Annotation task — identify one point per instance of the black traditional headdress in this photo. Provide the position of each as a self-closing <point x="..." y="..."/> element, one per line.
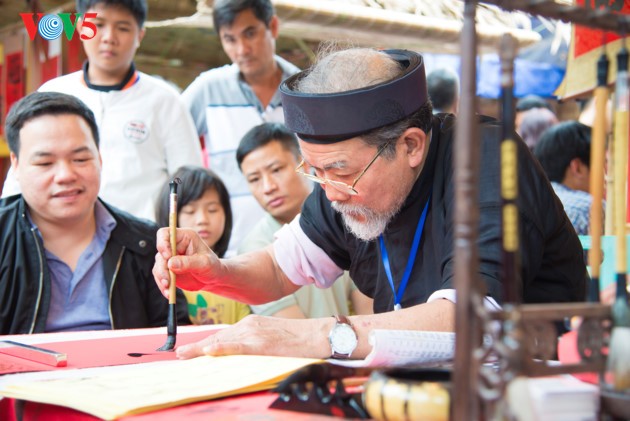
<point x="333" y="117"/>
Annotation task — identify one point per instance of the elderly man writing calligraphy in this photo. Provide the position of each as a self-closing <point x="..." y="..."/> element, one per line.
<point x="382" y="209"/>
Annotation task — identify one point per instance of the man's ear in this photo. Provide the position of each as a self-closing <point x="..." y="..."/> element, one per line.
<point x="577" y="175"/>
<point x="576" y="167"/>
<point x="14" y="163"/>
<point x="273" y="26"/>
<point x="141" y="34"/>
<point x="416" y="144"/>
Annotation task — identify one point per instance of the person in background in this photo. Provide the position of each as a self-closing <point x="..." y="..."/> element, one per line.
<point x="203" y="204"/>
<point x="145" y="129"/>
<point x="69" y="260"/>
<point x="268" y="155"/>
<point x="526" y="103"/>
<point x="564" y="151"/>
<point x="383" y="208"/>
<point x="534" y="122"/>
<point x="227" y="101"/>
<point x="443" y="86"/>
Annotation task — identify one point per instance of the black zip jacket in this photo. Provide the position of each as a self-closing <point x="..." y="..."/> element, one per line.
<point x="134" y="299"/>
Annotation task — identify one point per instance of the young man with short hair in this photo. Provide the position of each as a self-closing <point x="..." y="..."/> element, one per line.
<point x="564" y="151"/>
<point x="268" y="155"/>
<point x="228" y="101"/>
<point x="69" y="260"/>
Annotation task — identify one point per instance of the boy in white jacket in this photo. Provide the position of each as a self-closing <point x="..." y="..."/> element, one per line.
<point x="146" y="131"/>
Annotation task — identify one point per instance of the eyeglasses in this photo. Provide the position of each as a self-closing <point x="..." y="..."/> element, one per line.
<point x="339" y="185"/>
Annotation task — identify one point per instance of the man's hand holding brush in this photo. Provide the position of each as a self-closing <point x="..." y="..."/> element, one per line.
<point x="194" y="264"/>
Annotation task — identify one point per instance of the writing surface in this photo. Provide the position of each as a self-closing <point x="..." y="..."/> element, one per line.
<point x="146" y="387"/>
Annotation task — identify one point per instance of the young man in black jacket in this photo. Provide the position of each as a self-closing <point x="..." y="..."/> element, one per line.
<point x="68" y="261"/>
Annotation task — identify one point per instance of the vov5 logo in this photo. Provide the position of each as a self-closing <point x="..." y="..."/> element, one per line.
<point x="51" y="26"/>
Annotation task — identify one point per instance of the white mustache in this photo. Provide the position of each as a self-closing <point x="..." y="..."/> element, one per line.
<point x="373" y="226"/>
<point x="346" y="209"/>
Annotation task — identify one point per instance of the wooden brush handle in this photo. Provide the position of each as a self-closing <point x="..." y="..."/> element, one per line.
<point x="172" y="226"/>
<point x="598" y="150"/>
<point x="509" y="176"/>
<point x="620" y="162"/>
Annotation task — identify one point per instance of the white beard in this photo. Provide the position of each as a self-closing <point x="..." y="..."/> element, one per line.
<point x="374" y="224"/>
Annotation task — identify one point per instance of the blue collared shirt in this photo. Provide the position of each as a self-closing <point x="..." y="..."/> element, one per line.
<point x="80" y="299"/>
<point x="577" y="205"/>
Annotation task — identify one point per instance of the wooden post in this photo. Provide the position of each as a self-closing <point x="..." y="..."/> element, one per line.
<point x="466" y="161"/>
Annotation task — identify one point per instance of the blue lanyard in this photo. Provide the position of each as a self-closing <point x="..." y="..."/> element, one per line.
<point x="410" y="261"/>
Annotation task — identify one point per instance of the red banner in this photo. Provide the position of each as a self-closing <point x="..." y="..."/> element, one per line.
<point x="14" y="87"/>
<point x="586" y="47"/>
<point x="587" y="39"/>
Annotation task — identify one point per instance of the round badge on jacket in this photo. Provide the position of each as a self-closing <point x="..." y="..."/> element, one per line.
<point x="136" y="131"/>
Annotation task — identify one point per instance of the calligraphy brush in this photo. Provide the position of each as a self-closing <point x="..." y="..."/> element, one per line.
<point x="171" y="322"/>
<point x="618" y="359"/>
<point x="509" y="177"/>
<point x="598" y="150"/>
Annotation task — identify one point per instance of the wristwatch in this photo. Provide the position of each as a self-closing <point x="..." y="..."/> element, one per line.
<point x="343" y="339"/>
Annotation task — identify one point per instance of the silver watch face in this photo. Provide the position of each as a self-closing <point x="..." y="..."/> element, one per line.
<point x="343" y="340"/>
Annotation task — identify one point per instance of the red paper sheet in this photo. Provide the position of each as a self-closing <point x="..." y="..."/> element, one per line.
<point x="103" y="352"/>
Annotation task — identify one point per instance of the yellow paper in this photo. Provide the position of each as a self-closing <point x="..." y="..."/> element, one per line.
<point x="110" y="395"/>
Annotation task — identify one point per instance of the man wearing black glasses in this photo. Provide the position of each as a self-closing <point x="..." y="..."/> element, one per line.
<point x="382" y="209"/>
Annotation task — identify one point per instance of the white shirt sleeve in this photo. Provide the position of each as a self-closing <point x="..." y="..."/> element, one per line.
<point x="301" y="260"/>
<point x="449" y="294"/>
